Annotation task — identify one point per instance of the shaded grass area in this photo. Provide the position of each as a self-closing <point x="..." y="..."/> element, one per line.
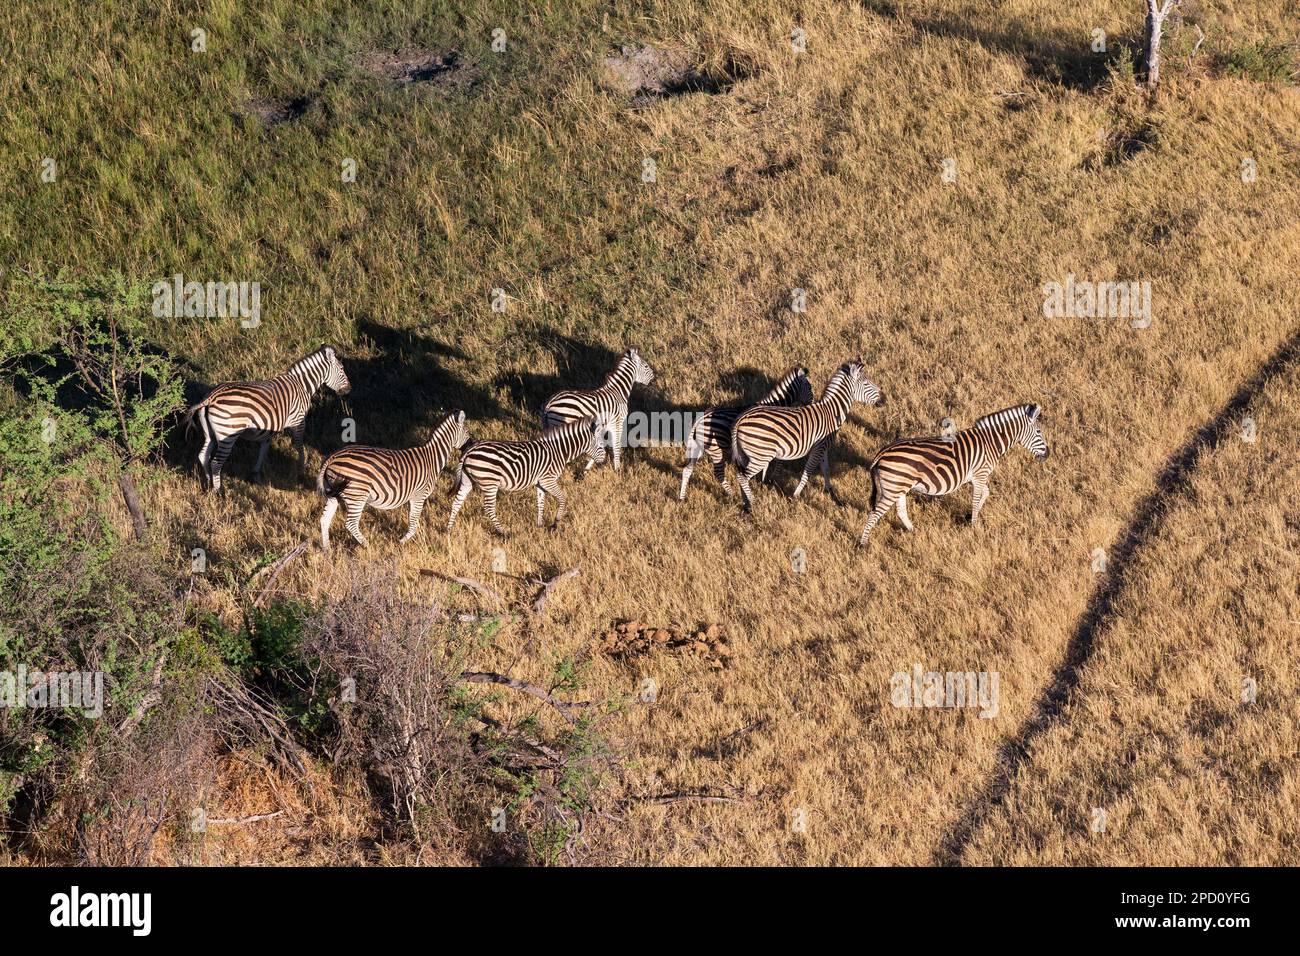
<point x="820" y="171"/>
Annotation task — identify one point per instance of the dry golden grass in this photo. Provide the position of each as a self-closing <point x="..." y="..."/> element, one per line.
<point x="822" y="171"/>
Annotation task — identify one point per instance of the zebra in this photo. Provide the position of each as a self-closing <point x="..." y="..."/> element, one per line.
<point x="386" y="478"/>
<point x="711" y="433"/>
<point x="769" y="432"/>
<point x="939" y="466"/>
<point x="257" y="411"/>
<point x="609" y="402"/>
<point x="493" y="466"/>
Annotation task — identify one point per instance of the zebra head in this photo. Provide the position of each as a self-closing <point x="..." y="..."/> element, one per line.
<point x="1031" y="433"/>
<point x="800" y="390"/>
<point x="861" y="388"/>
<point x="599" y="427"/>
<point x="335" y="377"/>
<point x="460" y="434"/>
<point x="642" y="373"/>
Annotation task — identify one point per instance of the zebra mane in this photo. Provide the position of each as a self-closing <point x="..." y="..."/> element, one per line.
<point x="448" y="424"/>
<point x="306" y="360"/>
<point x="783" y="389"/>
<point x="838" y="379"/>
<point x="1013" y="413"/>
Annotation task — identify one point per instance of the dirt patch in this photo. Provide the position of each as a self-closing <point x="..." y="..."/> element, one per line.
<point x="629" y="639"/>
<point x="271" y="111"/>
<point x="445" y="69"/>
<point x="647" y="73"/>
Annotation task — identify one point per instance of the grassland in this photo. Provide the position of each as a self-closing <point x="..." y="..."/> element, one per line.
<point x="821" y="170"/>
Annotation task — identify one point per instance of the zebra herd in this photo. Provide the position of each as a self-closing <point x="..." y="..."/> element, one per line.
<point x="787" y="423"/>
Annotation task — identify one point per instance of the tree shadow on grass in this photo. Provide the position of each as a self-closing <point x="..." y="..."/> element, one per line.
<point x="1174" y="481"/>
<point x="1064" y="57"/>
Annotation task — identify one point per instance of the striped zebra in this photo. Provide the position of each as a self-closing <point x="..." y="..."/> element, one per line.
<point x="939" y="466"/>
<point x="386" y="478"/>
<point x="608" y="403"/>
<point x="494" y="466"/>
<point x="711" y="433"/>
<point x="258" y="411"/>
<point x="766" y="433"/>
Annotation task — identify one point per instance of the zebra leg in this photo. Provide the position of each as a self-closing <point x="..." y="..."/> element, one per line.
<point x="720" y="473"/>
<point x="461" y="495"/>
<point x="883" y="504"/>
<point x="219" y="461"/>
<point x="616" y="446"/>
<point x="826" y="472"/>
<point x="552" y="488"/>
<point x="354" y="508"/>
<point x="979" y="494"/>
<point x="686" y="475"/>
<point x="746" y="493"/>
<point x="811" y="465"/>
<point x="326" y="519"/>
<point x="413" y="524"/>
<point x="297" y="432"/>
<point x="541" y="504"/>
<point x="902" y="512"/>
<point x="490" y="506"/>
<point x="261" y="459"/>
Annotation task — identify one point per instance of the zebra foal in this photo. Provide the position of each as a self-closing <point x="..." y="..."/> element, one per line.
<point x="767" y="433"/>
<point x="258" y="411"/>
<point x="607" y="403"/>
<point x="939" y="466"/>
<point x="495" y="466"/>
<point x="711" y="433"/>
<point x="386" y="478"/>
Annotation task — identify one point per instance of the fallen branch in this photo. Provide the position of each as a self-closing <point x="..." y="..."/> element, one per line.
<point x="683" y="797"/>
<point x="477" y="586"/>
<point x="547" y="587"/>
<point x="248" y="819"/>
<point x="491" y="677"/>
<point x="147" y="703"/>
<point x="275" y="570"/>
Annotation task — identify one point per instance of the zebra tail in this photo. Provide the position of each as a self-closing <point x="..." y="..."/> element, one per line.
<point x="328" y="489"/>
<point x="188" y="418"/>
<point x="738" y="456"/>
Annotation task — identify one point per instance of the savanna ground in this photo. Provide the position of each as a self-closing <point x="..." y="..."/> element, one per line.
<point x="1121" y="689"/>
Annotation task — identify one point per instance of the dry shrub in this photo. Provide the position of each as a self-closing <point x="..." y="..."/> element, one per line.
<point x="400" y="711"/>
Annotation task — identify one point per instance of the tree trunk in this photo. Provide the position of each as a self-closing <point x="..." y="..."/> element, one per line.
<point x="132" y="499"/>
<point x="1155" y="29"/>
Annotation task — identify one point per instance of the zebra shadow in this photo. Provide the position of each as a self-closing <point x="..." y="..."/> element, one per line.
<point x="580" y="365"/>
<point x="406" y="386"/>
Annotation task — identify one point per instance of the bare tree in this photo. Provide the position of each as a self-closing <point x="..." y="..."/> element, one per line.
<point x="1157" y="10"/>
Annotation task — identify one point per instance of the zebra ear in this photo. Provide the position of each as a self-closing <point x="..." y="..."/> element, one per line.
<point x="460" y="416"/>
<point x="1034" y="412"/>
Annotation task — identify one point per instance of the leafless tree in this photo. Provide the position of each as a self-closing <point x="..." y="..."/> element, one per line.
<point x="1157" y="11"/>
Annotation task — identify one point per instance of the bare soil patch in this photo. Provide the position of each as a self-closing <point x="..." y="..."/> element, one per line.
<point x="445" y="69"/>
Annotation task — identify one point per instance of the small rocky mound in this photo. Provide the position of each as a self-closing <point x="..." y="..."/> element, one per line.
<point x="648" y="72"/>
<point x="629" y="639"/>
<point x="404" y="67"/>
